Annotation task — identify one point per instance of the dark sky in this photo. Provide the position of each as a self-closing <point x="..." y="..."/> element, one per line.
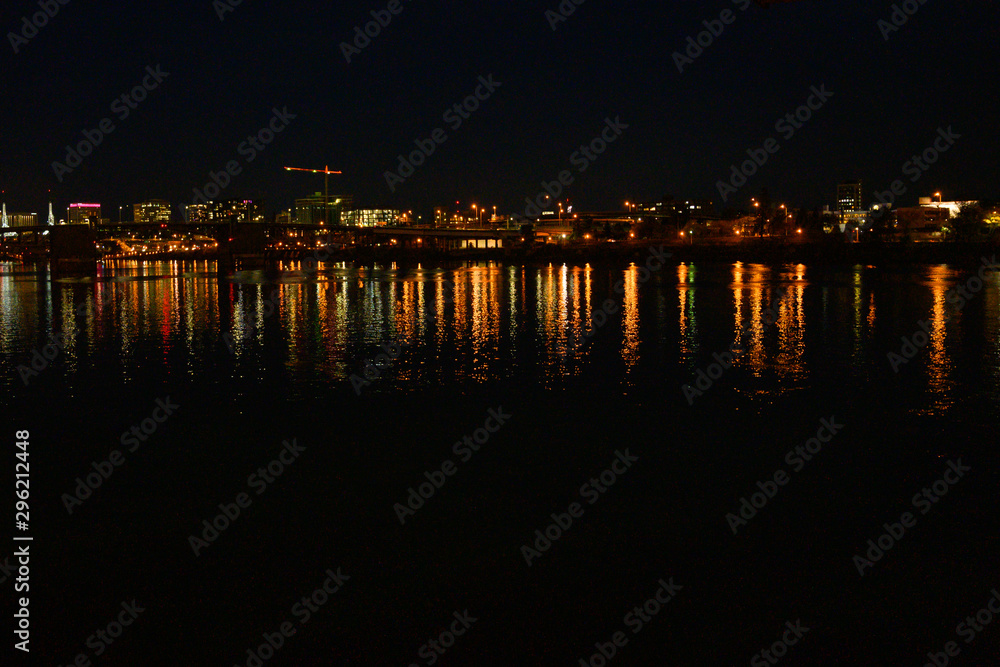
<point x="606" y="60"/>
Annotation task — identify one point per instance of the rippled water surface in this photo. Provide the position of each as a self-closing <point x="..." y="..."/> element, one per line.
<point x="588" y="359"/>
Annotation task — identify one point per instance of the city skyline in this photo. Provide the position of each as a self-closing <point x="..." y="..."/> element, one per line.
<point x="180" y="115"/>
<point x="395" y="332"/>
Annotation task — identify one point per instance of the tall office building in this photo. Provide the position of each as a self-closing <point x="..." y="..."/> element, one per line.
<point x="230" y="211"/>
<point x="152" y="211"/>
<point x="197" y="214"/>
<point x="849" y="196"/>
<point x="235" y="210"/>
<point x="83" y="214"/>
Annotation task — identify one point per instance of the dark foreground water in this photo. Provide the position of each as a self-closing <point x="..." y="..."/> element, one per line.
<point x="248" y="363"/>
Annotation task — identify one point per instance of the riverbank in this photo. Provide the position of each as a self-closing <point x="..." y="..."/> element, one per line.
<point x="748" y="251"/>
<point x="763" y="251"/>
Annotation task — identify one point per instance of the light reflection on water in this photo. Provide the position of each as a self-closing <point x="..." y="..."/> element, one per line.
<point x="506" y="322"/>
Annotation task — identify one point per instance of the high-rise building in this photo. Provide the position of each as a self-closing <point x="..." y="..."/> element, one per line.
<point x="235" y="210"/>
<point x="84" y="214"/>
<point x="197" y="214"/>
<point x="217" y="212"/>
<point x="152" y="211"/>
<point x="314" y="210"/>
<point x="849" y="196"/>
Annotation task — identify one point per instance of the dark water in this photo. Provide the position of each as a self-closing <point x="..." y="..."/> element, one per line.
<point x="477" y="337"/>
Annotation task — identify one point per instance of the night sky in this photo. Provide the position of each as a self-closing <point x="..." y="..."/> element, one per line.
<point x="558" y="86"/>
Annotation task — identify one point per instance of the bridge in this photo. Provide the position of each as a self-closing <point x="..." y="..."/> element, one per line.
<point x="74" y="247"/>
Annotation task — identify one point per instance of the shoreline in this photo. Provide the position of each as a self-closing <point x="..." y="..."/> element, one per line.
<point x="763" y="251"/>
<point x="747" y="251"/>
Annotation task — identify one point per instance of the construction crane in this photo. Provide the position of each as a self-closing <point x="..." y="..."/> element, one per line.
<point x="326" y="192"/>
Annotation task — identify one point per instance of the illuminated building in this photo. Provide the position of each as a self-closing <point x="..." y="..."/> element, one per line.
<point x="22" y="219"/>
<point x="84" y="213"/>
<point x="371" y="217"/>
<point x="668" y="206"/>
<point x="197" y="214"/>
<point x="952" y="207"/>
<point x="232" y="210"/>
<point x="235" y="210"/>
<point x="314" y="210"/>
<point x="849" y="196"/>
<point x="152" y="211"/>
